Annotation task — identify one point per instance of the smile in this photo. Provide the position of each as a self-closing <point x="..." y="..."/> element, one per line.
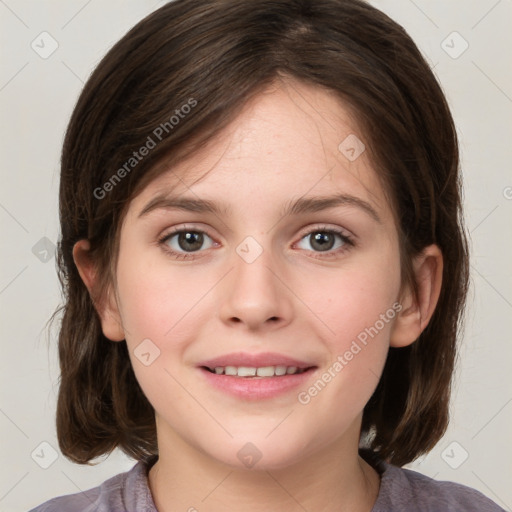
<point x="257" y="383"/>
<point x="260" y="372"/>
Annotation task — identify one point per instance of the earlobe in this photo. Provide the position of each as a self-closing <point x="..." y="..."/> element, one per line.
<point x="107" y="308"/>
<point x="417" y="310"/>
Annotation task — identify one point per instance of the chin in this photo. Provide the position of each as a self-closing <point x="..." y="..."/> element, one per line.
<point x="260" y="454"/>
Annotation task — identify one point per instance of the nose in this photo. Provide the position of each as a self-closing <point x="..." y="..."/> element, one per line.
<point x="255" y="294"/>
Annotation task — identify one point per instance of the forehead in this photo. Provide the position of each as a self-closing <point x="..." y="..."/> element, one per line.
<point x="291" y="140"/>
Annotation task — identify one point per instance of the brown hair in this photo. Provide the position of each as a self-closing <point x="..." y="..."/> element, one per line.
<point x="215" y="55"/>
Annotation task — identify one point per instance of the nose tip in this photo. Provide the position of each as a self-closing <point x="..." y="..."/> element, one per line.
<point x="253" y="296"/>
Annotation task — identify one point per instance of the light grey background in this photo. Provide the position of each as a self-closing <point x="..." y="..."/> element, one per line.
<point x="36" y="99"/>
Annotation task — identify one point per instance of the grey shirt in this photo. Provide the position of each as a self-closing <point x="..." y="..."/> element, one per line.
<point x="401" y="490"/>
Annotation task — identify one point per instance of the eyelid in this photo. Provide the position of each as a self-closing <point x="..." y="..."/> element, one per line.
<point x="184" y="228"/>
<point x="304" y="232"/>
<point x="326" y="227"/>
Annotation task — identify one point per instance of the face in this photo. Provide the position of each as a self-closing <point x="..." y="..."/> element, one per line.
<point x="235" y="260"/>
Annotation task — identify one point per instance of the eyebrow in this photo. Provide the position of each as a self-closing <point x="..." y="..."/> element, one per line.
<point x="294" y="207"/>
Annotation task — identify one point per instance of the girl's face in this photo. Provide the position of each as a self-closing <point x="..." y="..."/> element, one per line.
<point x="285" y="254"/>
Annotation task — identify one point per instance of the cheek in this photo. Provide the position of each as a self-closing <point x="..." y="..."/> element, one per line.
<point x="160" y="310"/>
<point x="355" y="298"/>
<point x="157" y="301"/>
<point x="358" y="308"/>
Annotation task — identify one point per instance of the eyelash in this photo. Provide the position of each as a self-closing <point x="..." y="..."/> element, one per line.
<point x="347" y="240"/>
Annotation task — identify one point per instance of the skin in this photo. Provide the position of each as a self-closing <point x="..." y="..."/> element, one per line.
<point x="293" y="299"/>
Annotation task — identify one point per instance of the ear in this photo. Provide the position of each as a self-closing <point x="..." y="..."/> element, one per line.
<point x="417" y="311"/>
<point x="107" y="308"/>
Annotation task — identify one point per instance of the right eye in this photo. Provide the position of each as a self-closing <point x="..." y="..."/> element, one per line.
<point x="181" y="243"/>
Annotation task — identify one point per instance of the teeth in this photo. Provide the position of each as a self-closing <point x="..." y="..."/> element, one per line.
<point x="249" y="371"/>
<point x="266" y="371"/>
<point x="245" y="371"/>
<point x="280" y="370"/>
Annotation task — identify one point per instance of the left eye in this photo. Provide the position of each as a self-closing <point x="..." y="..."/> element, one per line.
<point x="324" y="240"/>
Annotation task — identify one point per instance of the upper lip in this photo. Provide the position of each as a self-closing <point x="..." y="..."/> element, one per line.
<point x="254" y="360"/>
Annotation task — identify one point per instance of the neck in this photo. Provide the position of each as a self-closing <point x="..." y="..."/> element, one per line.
<point x="333" y="480"/>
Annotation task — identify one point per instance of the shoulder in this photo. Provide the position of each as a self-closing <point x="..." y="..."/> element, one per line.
<point x="407" y="490"/>
<point x="126" y="491"/>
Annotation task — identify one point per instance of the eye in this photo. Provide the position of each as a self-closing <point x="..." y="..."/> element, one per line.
<point x="323" y="240"/>
<point x="182" y="242"/>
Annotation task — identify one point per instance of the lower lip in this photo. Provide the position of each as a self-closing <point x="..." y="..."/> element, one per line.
<point x="256" y="389"/>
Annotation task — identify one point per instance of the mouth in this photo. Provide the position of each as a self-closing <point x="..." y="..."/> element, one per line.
<point x="256" y="376"/>
<point x="261" y="372"/>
